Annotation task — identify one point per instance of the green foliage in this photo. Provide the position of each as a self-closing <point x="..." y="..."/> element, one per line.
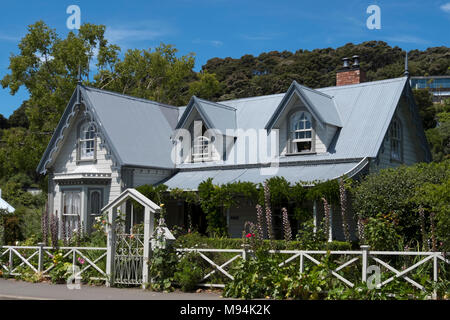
<point x="304" y="242"/>
<point x="427" y="111"/>
<point x="439" y="137"/>
<point x="273" y="72"/>
<point x="380" y="233"/>
<point x="327" y="189"/>
<point x="162" y="268"/>
<point x="396" y="191"/>
<point x="398" y="289"/>
<point x="189" y="272"/>
<point x="154" y="193"/>
<point x="11" y="228"/>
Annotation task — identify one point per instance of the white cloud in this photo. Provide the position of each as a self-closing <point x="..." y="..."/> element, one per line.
<point x="446" y="7"/>
<point x="407" y="39"/>
<point x="138" y="31"/>
<point x="5" y="37"/>
<point x="214" y="43"/>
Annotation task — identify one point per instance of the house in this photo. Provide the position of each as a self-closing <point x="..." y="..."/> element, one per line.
<point x="5" y="206"/>
<point x="439" y="86"/>
<point x="106" y="142"/>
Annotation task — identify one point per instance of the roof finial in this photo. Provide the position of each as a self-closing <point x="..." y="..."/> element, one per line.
<point x="406" y="65"/>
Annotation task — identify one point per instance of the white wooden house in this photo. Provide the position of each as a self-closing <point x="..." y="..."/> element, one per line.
<point x="107" y="142"/>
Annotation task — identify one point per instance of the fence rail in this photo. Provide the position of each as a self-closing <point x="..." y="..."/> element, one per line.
<point x="218" y="262"/>
<point x="40" y="259"/>
<point x="359" y="258"/>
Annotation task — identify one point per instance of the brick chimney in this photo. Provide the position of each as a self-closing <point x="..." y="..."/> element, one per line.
<point x="350" y="74"/>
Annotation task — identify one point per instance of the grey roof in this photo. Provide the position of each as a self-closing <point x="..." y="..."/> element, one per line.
<point x="365" y="111"/>
<point x="215" y="115"/>
<point x="190" y="179"/>
<point x="138" y="129"/>
<point x="321" y="105"/>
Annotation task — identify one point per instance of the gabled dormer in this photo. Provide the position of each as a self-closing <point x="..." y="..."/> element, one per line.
<point x="205" y="131"/>
<point x="307" y="121"/>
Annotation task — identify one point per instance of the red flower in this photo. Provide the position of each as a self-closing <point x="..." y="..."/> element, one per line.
<point x="249" y="235"/>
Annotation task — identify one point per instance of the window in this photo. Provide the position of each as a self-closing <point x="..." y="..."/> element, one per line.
<point x="71" y="212"/>
<point x="201" y="149"/>
<point x="95" y="206"/>
<point x="301" y="132"/>
<point x="87" y="142"/>
<point x="396" y="140"/>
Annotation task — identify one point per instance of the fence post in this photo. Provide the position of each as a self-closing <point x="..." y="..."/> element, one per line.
<point x="435" y="274"/>
<point x="41" y="256"/>
<point x="11" y="260"/>
<point x="301" y="262"/>
<point x="244" y="252"/>
<point x="365" y="256"/>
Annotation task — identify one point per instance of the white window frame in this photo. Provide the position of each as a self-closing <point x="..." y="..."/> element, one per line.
<point x="295" y="129"/>
<point x="71" y="218"/>
<point x="87" y="142"/>
<point x="201" y="149"/>
<point x="396" y="140"/>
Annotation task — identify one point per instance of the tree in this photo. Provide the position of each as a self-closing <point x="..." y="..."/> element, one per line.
<point x="157" y="75"/>
<point x="3" y="122"/>
<point x="439" y="137"/>
<point x="427" y="110"/>
<point x="19" y="117"/>
<point x="47" y="67"/>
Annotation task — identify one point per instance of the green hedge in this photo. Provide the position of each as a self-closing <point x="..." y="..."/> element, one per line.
<point x="195" y="240"/>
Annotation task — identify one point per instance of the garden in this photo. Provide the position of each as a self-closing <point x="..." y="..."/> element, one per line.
<point x="398" y="251"/>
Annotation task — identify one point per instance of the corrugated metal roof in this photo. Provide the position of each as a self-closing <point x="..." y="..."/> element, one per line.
<point x="322" y="103"/>
<point x="215" y="115"/>
<point x="190" y="179"/>
<point x="365" y="111"/>
<point x="139" y="129"/>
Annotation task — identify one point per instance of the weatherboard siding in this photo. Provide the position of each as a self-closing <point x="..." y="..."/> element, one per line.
<point x="410" y="151"/>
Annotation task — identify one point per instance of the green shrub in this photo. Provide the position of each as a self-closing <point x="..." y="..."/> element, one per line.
<point x="189" y="272"/>
<point x="400" y="191"/>
<point x="380" y="233"/>
<point x="196" y="240"/>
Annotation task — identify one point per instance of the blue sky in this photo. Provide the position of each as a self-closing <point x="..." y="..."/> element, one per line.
<point x="230" y="28"/>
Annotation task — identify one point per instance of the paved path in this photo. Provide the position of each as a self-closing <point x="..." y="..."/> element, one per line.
<point x="11" y="289"/>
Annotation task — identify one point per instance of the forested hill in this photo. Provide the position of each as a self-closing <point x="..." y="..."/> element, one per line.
<point x="273" y="72"/>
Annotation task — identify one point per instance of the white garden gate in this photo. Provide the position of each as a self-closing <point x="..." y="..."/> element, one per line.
<point x="128" y="254"/>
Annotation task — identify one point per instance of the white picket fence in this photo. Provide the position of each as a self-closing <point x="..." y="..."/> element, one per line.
<point x="35" y="257"/>
<point x="364" y="256"/>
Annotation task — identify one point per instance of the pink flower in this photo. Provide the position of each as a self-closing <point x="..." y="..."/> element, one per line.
<point x="80" y="260"/>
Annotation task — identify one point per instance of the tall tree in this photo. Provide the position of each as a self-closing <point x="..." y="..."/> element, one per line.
<point x="47" y="67"/>
<point x="151" y="74"/>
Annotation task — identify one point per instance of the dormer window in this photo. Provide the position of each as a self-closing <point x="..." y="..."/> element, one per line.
<point x="201" y="149"/>
<point x="87" y="142"/>
<point x="301" y="134"/>
<point x="395" y="134"/>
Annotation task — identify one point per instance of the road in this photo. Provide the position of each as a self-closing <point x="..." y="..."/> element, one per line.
<point x="11" y="289"/>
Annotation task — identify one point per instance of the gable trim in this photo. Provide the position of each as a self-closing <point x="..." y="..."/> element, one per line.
<point x="295" y="89"/>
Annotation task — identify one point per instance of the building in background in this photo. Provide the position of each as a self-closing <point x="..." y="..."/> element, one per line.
<point x="438" y="85"/>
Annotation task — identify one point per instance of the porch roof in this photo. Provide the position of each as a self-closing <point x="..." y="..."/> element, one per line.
<point x="190" y="179"/>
